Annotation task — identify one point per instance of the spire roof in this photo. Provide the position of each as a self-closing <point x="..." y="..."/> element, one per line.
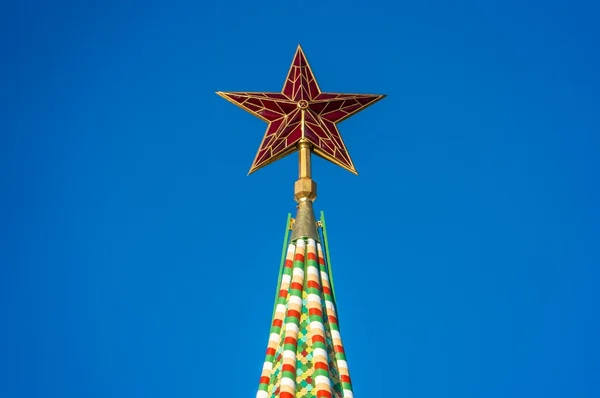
<point x="305" y="356"/>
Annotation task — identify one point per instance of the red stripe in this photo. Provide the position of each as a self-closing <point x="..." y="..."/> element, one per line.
<point x="290" y="340"/>
<point x="321" y="365"/>
<point x="332" y="319"/>
<point x="312" y="256"/>
<point x="326" y="290"/>
<point x="323" y="394"/>
<point x="282" y="293"/>
<point x="317" y="338"/>
<point x="313" y="284"/>
<point x="338" y="348"/>
<point x="289" y="263"/>
<point x="294" y="313"/>
<point x="321" y="261"/>
<point x="315" y="311"/>
<point x="271" y="351"/>
<point x="285" y="394"/>
<point x="346" y="379"/>
<point x="289" y="368"/>
<point x="265" y="380"/>
<point x="296" y="285"/>
<point x="278" y="322"/>
<point x="299" y="257"/>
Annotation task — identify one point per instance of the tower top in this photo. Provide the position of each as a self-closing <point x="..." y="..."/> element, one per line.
<point x="302" y="118"/>
<point x="305" y="356"/>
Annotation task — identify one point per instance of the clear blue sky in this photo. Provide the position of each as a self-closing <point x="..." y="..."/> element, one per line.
<point x="137" y="259"/>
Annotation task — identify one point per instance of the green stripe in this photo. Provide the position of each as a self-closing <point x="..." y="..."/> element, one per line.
<point x="289" y="347"/>
<point x="318" y="344"/>
<point x="328" y="265"/>
<point x="288" y="374"/>
<point x="321" y="372"/>
<point x="283" y="256"/>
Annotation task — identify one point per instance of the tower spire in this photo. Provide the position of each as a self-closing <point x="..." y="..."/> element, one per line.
<point x="305" y="356"/>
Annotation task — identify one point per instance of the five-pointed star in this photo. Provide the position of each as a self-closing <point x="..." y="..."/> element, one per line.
<point x="302" y="112"/>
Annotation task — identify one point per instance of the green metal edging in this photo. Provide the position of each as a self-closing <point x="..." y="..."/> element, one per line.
<point x="329" y="270"/>
<point x="283" y="256"/>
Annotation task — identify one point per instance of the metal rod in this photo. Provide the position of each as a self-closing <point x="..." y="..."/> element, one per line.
<point x="304" y="170"/>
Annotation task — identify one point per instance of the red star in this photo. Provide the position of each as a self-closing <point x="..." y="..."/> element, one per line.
<point x="302" y="112"/>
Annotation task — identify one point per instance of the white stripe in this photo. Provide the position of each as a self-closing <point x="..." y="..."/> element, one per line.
<point x="268" y="366"/>
<point x="261" y="394"/>
<point x="286" y="381"/>
<point x="324" y="276"/>
<point x="322" y="380"/>
<point x="298" y="272"/>
<point x="335" y="334"/>
<point x="348" y="394"/>
<point x="316" y="325"/>
<point x="313" y="298"/>
<point x="274" y="337"/>
<point x="289" y="354"/>
<point x="342" y="364"/>
<point x="296" y="300"/>
<point x="312" y="270"/>
<point x="291" y="326"/>
<point x="329" y="305"/>
<point x="280" y="308"/>
<point x="291" y="249"/>
<point x="286" y="279"/>
<point x="311" y="242"/>
<point x="300" y="243"/>
<point x="319" y="352"/>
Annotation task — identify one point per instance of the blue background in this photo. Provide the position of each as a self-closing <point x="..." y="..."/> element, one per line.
<point x="139" y="260"/>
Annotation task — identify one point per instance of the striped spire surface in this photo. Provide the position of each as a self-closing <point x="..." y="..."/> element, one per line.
<point x="305" y="356"/>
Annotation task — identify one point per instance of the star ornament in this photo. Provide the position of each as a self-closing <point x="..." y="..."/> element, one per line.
<point x="302" y="112"/>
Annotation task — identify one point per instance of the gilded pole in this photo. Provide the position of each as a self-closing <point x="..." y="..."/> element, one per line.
<point x="304" y="188"/>
<point x="305" y="193"/>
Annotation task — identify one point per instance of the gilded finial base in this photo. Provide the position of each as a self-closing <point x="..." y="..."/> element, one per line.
<point x="305" y="224"/>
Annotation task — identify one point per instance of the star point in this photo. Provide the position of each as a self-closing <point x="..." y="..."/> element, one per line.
<point x="301" y="111"/>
